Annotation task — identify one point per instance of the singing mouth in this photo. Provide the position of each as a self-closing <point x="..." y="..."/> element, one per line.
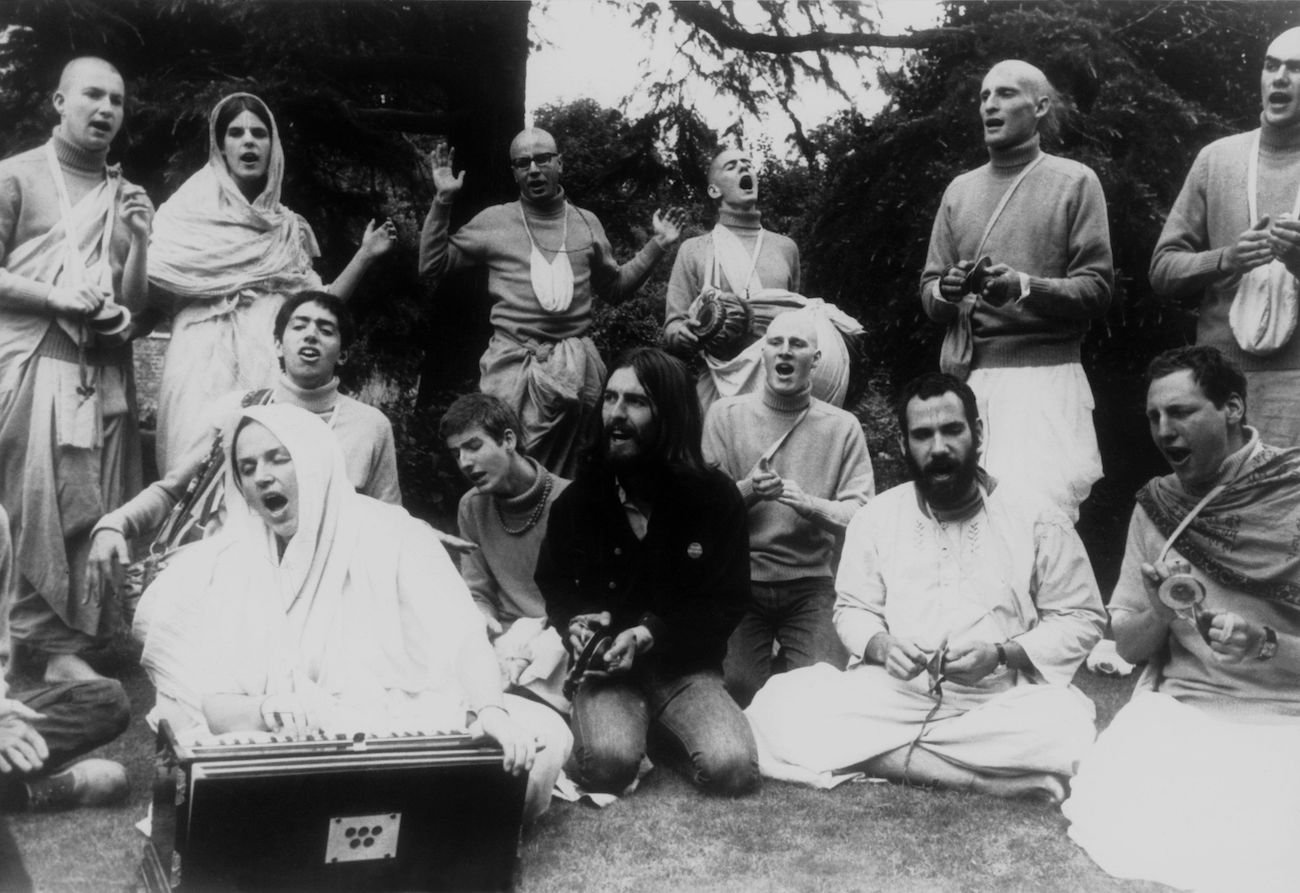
<point x="747" y="182"/>
<point x="101" y="126"/>
<point x="310" y="354"/>
<point x="250" y="158"/>
<point x="990" y="123"/>
<point x="274" y="502"/>
<point x="784" y="368"/>
<point x="1177" y="455"/>
<point x="477" y="478"/>
<point x="1279" y="97"/>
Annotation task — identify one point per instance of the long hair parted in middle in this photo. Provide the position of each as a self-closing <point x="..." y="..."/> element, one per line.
<point x="671" y="390"/>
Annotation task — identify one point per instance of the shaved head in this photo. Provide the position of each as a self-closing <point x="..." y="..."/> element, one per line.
<point x="796" y="322"/>
<point x="534" y="139"/>
<point x="1030" y="77"/>
<point x="82" y="66"/>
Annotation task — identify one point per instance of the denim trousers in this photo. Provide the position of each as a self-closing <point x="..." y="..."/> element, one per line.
<point x="699" y="722"/>
<point x="795" y="613"/>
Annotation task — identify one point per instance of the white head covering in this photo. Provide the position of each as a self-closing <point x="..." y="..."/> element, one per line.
<point x="210" y="241"/>
<point x="364" y="604"/>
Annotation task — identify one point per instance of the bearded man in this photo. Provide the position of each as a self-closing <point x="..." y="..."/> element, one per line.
<point x="967" y="604"/>
<point x="646" y="558"/>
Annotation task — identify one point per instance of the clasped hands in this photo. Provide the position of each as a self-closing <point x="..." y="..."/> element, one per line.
<point x="1000" y="284"/>
<point x="1230" y="636"/>
<point x="1267" y="240"/>
<point x="22" y="748"/>
<point x="963" y="662"/>
<point x="767" y="484"/>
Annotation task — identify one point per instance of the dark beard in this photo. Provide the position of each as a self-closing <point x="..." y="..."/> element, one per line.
<point x="945" y="494"/>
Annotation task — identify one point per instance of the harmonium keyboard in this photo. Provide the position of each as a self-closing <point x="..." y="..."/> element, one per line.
<point x="345" y="812"/>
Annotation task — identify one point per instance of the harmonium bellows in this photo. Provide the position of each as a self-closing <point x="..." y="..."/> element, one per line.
<point x="414" y="811"/>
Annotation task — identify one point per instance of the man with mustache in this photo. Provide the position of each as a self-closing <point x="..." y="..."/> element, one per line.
<point x="646" y="557"/>
<point x="967" y="603"/>
<point x="1207" y="595"/>
<point x="1233" y="229"/>
<point x="73" y="243"/>
<point x="1021" y="248"/>
<point x="546" y="259"/>
<point x="802" y="467"/>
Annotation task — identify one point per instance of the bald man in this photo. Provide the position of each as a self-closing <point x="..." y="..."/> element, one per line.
<point x="802" y="468"/>
<point x="738" y="255"/>
<point x="546" y="258"/>
<point x="1234" y="226"/>
<point x="69" y="449"/>
<point x="1040" y="221"/>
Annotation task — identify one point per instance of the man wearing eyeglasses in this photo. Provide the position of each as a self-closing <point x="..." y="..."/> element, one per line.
<point x="545" y="258"/>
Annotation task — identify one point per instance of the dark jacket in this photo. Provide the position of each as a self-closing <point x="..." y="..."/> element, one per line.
<point x="687" y="581"/>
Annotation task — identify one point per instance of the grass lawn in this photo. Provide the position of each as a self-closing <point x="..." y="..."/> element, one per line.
<point x="668" y="838"/>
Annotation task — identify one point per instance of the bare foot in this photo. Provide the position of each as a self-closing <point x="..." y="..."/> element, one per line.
<point x="1041" y="787"/>
<point x="69" y="668"/>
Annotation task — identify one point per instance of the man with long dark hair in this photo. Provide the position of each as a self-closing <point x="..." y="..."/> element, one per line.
<point x="645" y="571"/>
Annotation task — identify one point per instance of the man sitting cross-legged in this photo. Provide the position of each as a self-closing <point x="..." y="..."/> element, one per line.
<point x="43" y="728"/>
<point x="505" y="515"/>
<point x="802" y="468"/>
<point x="967" y="605"/>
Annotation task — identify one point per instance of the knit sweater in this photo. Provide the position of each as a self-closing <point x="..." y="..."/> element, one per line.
<point x="826" y="455"/>
<point x="364" y="433"/>
<point x="29" y="207"/>
<point x="497" y="239"/>
<point x="777" y="267"/>
<point x="1054" y="229"/>
<point x="1206" y="219"/>
<point x="500" y="572"/>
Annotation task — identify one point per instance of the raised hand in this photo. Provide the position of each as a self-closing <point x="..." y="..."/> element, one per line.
<point x="378" y="239"/>
<point x="136" y="211"/>
<point x="668" y="226"/>
<point x="447" y="183"/>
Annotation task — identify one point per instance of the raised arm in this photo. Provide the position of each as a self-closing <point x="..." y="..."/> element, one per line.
<point x="376" y="241"/>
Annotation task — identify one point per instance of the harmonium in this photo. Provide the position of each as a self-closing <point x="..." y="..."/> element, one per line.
<point x="344" y="812"/>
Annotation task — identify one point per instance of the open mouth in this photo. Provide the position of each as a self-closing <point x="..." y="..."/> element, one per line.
<point x="101" y="127"/>
<point x="747" y="182"/>
<point x="250" y="158"/>
<point x="619" y="435"/>
<point x="310" y="354"/>
<point x="1177" y="455"/>
<point x="990" y="123"/>
<point x="1279" y="97"/>
<point x="274" y="502"/>
<point x="784" y="368"/>
<point x="477" y="478"/>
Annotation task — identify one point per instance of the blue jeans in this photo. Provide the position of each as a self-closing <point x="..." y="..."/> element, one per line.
<point x="796" y="613"/>
<point x="613" y="717"/>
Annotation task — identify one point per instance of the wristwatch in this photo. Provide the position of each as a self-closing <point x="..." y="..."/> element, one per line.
<point x="1269" y="646"/>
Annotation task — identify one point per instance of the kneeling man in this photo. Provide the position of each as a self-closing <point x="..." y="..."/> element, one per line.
<point x="967" y="604"/>
<point x="1207" y="595"/>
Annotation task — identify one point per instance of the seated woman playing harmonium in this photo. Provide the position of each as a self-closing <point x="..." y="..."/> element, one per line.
<point x="317" y="609"/>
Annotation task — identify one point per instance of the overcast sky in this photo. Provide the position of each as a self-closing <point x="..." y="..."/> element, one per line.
<point x="594" y="52"/>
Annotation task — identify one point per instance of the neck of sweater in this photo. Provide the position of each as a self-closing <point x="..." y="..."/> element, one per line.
<point x="550" y="208"/>
<point x="75" y="158"/>
<point x="1015" y="156"/>
<point x="526" y="502"/>
<point x="734" y="219"/>
<point x="1279" y="139"/>
<point x="318" y="400"/>
<point x="788" y="403"/>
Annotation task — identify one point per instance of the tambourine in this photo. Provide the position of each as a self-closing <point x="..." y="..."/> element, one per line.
<point x="721" y="321"/>
<point x="591" y="658"/>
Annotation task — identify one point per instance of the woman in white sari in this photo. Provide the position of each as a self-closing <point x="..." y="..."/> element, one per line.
<point x="317" y="608"/>
<point x="228" y="251"/>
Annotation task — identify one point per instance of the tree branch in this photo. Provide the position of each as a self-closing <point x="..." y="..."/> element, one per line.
<point x="712" y="22"/>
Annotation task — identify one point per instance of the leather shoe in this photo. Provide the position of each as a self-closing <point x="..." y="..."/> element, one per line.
<point x="91" y="782"/>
